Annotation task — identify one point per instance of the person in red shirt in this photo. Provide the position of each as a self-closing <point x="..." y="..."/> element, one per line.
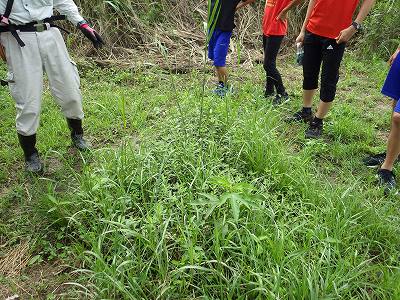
<point x="327" y="28"/>
<point x="274" y="30"/>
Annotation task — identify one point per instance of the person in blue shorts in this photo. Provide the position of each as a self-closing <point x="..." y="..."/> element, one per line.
<point x="386" y="160"/>
<point x="218" y="45"/>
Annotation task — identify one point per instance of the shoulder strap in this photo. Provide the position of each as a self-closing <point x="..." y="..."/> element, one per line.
<point x="9" y="7"/>
<point x="5" y="17"/>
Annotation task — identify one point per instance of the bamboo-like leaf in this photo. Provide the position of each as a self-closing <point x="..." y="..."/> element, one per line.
<point x="209" y="199"/>
<point x="235" y="207"/>
<point x="250" y="201"/>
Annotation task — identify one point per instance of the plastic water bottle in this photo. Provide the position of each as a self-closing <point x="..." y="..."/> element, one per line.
<point x="299" y="54"/>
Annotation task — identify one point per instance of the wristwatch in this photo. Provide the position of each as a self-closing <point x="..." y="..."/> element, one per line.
<point x="356" y="25"/>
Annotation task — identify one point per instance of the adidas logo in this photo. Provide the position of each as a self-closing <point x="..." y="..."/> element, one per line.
<point x="330" y="47"/>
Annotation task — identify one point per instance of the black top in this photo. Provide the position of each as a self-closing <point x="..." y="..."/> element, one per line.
<point x="226" y="19"/>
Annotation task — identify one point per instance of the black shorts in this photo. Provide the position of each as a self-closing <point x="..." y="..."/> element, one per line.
<point x="323" y="51"/>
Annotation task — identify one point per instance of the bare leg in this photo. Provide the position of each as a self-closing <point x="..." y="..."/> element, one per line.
<point x="308" y="96"/>
<point x="393" y="145"/>
<point x="323" y="109"/>
<point x="222" y="74"/>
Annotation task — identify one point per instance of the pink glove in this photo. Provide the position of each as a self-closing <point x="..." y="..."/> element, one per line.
<point x="91" y="34"/>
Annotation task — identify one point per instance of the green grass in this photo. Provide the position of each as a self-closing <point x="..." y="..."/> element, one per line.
<point x="186" y="197"/>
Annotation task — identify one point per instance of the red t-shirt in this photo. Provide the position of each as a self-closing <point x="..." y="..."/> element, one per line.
<point x="330" y="17"/>
<point x="271" y="26"/>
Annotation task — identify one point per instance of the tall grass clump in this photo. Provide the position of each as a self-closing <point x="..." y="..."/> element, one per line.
<point x="240" y="217"/>
<point x="381" y="35"/>
<point x="139" y="30"/>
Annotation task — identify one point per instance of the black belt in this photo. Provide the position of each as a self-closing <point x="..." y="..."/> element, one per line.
<point x="37" y="26"/>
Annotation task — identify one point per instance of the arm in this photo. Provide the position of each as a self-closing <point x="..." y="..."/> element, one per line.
<point x="394" y="56"/>
<point x="364" y="10"/>
<point x="243" y="4"/>
<point x="68" y="8"/>
<point x="311" y="5"/>
<point x="310" y="8"/>
<point x="346" y="34"/>
<point x="283" y="14"/>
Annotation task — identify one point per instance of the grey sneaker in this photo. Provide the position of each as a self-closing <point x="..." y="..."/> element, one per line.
<point x="33" y="164"/>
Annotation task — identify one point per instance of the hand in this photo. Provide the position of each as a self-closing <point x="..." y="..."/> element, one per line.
<point x="4" y="21"/>
<point x="282" y="16"/>
<point x="394" y="56"/>
<point x="300" y="38"/>
<point x="346" y="34"/>
<point x="239" y="6"/>
<point x="92" y="35"/>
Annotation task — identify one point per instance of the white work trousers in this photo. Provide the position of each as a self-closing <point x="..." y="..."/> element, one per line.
<point x="44" y="52"/>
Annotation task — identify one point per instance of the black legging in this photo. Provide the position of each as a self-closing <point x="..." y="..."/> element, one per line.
<point x="323" y="51"/>
<point x="272" y="45"/>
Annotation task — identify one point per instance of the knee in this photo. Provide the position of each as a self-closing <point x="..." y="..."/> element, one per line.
<point x="310" y="83"/>
<point x="73" y="101"/>
<point x="328" y="92"/>
<point x="72" y="106"/>
<point x="269" y="66"/>
<point x="396" y="119"/>
<point x="27" y="123"/>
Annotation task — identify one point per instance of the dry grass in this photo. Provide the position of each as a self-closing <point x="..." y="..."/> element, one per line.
<point x="169" y="34"/>
<point x="15" y="260"/>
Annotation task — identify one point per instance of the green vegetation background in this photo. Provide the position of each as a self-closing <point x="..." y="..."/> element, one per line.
<point x="189" y="196"/>
<point x="132" y="23"/>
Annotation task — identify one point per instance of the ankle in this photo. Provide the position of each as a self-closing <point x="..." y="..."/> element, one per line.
<point x="387" y="167"/>
<point x="28" y="145"/>
<point x="75" y="126"/>
<point x="318" y="120"/>
<point x="306" y="110"/>
<point x="281" y="92"/>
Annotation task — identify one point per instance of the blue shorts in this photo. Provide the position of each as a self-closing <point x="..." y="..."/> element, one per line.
<point x="391" y="87"/>
<point x="218" y="47"/>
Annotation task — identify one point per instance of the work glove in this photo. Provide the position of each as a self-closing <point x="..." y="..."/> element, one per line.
<point x="91" y="34"/>
<point x="4" y="21"/>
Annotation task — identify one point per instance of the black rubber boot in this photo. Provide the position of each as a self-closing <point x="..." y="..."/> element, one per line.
<point x="76" y="128"/>
<point x="32" y="160"/>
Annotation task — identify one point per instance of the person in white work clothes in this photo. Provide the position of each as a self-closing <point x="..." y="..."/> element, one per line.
<point x="33" y="43"/>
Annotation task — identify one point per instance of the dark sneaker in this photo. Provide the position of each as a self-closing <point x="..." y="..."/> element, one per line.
<point x="268" y="94"/>
<point x="387" y="180"/>
<point x="221" y="90"/>
<point x="315" y="130"/>
<point x="280" y="99"/>
<point x="376" y="160"/>
<point x="300" y="116"/>
<point x="33" y="164"/>
<point x="79" y="142"/>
